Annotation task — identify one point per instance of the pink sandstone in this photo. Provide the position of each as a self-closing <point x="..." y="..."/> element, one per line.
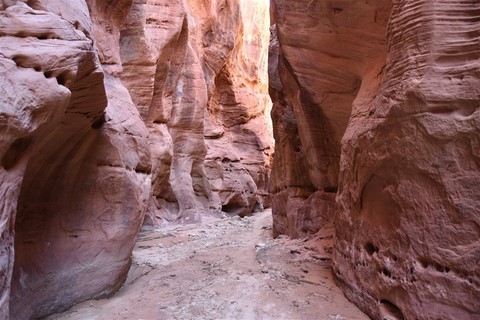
<point x="393" y="123"/>
<point x="113" y="110"/>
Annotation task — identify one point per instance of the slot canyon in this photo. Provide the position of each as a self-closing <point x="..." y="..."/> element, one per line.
<point x="240" y="159"/>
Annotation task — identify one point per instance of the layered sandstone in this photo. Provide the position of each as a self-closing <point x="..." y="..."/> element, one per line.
<point x="204" y="99"/>
<point x="108" y="111"/>
<point x="74" y="155"/>
<point x="321" y="53"/>
<point x="406" y="217"/>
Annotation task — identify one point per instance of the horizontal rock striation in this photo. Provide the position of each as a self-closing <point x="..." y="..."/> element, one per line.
<point x="407" y="224"/>
<point x="321" y="56"/>
<point x="398" y="101"/>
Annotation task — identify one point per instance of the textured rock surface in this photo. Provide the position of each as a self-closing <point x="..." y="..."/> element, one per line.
<point x="407" y="218"/>
<point x="204" y="99"/>
<point x="113" y="109"/>
<point x="326" y="49"/>
<point x="74" y="142"/>
<point x="408" y="223"/>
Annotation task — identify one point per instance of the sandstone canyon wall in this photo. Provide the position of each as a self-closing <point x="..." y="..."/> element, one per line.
<point x="321" y="54"/>
<point x="204" y="98"/>
<point x="77" y="153"/>
<point x="113" y="109"/>
<point x="381" y="99"/>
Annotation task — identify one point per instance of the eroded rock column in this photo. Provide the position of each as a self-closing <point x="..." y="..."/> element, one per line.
<point x="204" y="99"/>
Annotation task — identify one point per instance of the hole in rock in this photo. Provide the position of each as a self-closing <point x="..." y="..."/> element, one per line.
<point x="48" y="74"/>
<point x="19" y="60"/>
<point x="43" y="36"/>
<point x="423" y="262"/>
<point x="330" y="189"/>
<point x="390" y="311"/>
<point x="235" y="208"/>
<point x="386" y="272"/>
<point x="62" y="78"/>
<point x="439" y="268"/>
<point x="370" y="248"/>
<point x="337" y="10"/>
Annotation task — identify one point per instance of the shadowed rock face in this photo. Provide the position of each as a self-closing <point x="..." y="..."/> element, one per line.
<point x="76" y="157"/>
<point x="406" y="218"/>
<point x="322" y="54"/>
<point x="112" y="109"/>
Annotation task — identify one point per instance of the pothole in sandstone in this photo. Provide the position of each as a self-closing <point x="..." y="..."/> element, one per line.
<point x="224" y="268"/>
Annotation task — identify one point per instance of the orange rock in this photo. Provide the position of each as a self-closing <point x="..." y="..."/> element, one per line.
<point x="205" y="92"/>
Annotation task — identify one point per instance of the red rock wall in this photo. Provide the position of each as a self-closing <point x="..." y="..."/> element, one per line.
<point x="77" y="155"/>
<point x="113" y="110"/>
<point x="326" y="51"/>
<point x="204" y="99"/>
<point x="406" y="218"/>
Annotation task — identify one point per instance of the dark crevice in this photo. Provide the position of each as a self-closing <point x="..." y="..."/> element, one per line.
<point x="330" y="189"/>
<point x="337" y="10"/>
<point x="370" y="248"/>
<point x="97" y="124"/>
<point x="14" y="153"/>
<point x="390" y="310"/>
<point x="386" y="272"/>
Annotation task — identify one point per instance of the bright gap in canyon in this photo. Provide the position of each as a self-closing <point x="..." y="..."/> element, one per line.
<point x="240" y="159"/>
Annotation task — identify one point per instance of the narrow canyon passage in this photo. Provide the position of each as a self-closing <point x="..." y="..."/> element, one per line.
<point x="142" y="140"/>
<point x="224" y="268"/>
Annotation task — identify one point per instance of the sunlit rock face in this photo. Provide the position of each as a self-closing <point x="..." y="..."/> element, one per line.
<point x="109" y="110"/>
<point x="204" y="99"/>
<point x="406" y="212"/>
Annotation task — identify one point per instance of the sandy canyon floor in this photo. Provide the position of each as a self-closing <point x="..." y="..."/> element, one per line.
<point x="224" y="268"/>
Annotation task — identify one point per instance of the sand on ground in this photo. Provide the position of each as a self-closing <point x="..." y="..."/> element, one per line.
<point x="224" y="268"/>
